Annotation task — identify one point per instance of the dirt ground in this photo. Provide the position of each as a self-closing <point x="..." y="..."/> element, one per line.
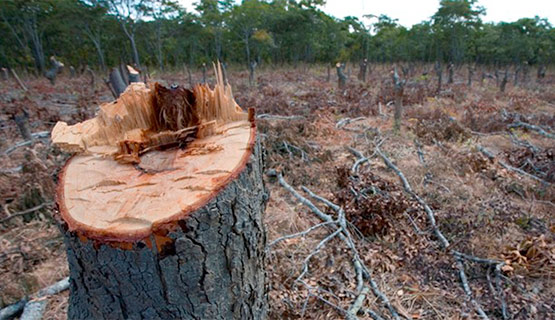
<point x="483" y="206"/>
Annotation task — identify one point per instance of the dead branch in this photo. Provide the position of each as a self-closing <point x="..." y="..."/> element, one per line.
<point x="34" y="309"/>
<point x="345" y="121"/>
<point x="342" y="232"/>
<point x="36" y="135"/>
<point x="267" y="116"/>
<point x="523" y="143"/>
<point x="298" y="234"/>
<point x="24" y="212"/>
<point x="11" y="170"/>
<point x="408" y="189"/>
<point x="467" y="290"/>
<point x="520" y="124"/>
<point x="419" y="151"/>
<point x="19" y="82"/>
<point x="11" y="310"/>
<point x="355" y="307"/>
<point x="511" y="168"/>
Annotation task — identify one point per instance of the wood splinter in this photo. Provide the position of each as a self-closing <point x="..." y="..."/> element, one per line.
<point x="161" y="207"/>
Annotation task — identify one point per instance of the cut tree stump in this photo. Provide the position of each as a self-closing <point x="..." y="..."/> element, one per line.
<point x="162" y="221"/>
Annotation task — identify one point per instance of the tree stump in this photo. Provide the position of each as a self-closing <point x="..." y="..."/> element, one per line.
<point x="164" y="227"/>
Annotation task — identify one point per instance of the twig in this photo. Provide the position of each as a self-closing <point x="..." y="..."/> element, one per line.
<point x="24" y="212"/>
<point x="345" y="121"/>
<point x="511" y="168"/>
<point x="319" y="247"/>
<point x="520" y="124"/>
<point x="12" y="170"/>
<point x="298" y="234"/>
<point x="267" y="116"/>
<point x="38" y="135"/>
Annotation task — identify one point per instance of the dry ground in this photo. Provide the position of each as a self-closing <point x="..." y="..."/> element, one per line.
<point x="482" y="208"/>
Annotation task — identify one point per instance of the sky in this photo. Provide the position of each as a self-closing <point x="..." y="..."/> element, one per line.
<point x="410" y="12"/>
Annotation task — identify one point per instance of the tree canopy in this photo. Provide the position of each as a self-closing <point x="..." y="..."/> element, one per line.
<point x="160" y="33"/>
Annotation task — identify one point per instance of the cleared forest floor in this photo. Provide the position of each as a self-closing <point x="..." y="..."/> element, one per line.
<point x="483" y="207"/>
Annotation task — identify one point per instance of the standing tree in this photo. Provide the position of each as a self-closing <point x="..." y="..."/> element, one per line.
<point x="128" y="14"/>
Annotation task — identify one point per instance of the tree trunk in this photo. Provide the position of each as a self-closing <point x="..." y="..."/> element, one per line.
<point x="470" y="74"/>
<point x="341" y="78"/>
<point x="5" y="74"/>
<point x="437" y="68"/>
<point x="179" y="235"/>
<point x="450" y="72"/>
<point x="116" y="82"/>
<point x="504" y="81"/>
<point x="362" y="71"/>
<point x="252" y="68"/>
<point x="398" y="91"/>
<point x="329" y="74"/>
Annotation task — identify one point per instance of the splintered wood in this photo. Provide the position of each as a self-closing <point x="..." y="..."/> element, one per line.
<point x="151" y="157"/>
<point x="146" y="118"/>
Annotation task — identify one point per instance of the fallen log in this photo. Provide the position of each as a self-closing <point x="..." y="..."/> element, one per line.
<point x="161" y="207"/>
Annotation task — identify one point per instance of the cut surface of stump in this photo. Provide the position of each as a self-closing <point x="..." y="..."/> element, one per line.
<point x="161" y="207"/>
<point x="150" y="158"/>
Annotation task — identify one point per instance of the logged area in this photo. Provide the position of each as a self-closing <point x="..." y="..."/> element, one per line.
<point x="449" y="215"/>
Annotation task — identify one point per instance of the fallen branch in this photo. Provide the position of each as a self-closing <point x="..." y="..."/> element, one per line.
<point x="345" y="121"/>
<point x="342" y="232"/>
<point x="355" y="307"/>
<point x="298" y="234"/>
<point x="34" y="309"/>
<point x="19" y="82"/>
<point x="408" y="189"/>
<point x="36" y="135"/>
<point x="24" y="212"/>
<point x="11" y="170"/>
<point x="445" y="244"/>
<point x="520" y="124"/>
<point x="267" y="116"/>
<point x="13" y="309"/>
<point x="511" y="168"/>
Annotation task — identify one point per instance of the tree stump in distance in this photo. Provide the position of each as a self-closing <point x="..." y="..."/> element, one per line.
<point x="162" y="208"/>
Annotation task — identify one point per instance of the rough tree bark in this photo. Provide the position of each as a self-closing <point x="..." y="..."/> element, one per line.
<point x="160" y="232"/>
<point x="450" y="72"/>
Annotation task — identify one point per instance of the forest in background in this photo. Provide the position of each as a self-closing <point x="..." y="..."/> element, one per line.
<point x="161" y="34"/>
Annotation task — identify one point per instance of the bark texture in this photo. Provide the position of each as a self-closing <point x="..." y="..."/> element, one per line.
<point x="212" y="269"/>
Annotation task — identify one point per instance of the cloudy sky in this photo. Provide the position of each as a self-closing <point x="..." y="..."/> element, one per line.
<point x="410" y="12"/>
